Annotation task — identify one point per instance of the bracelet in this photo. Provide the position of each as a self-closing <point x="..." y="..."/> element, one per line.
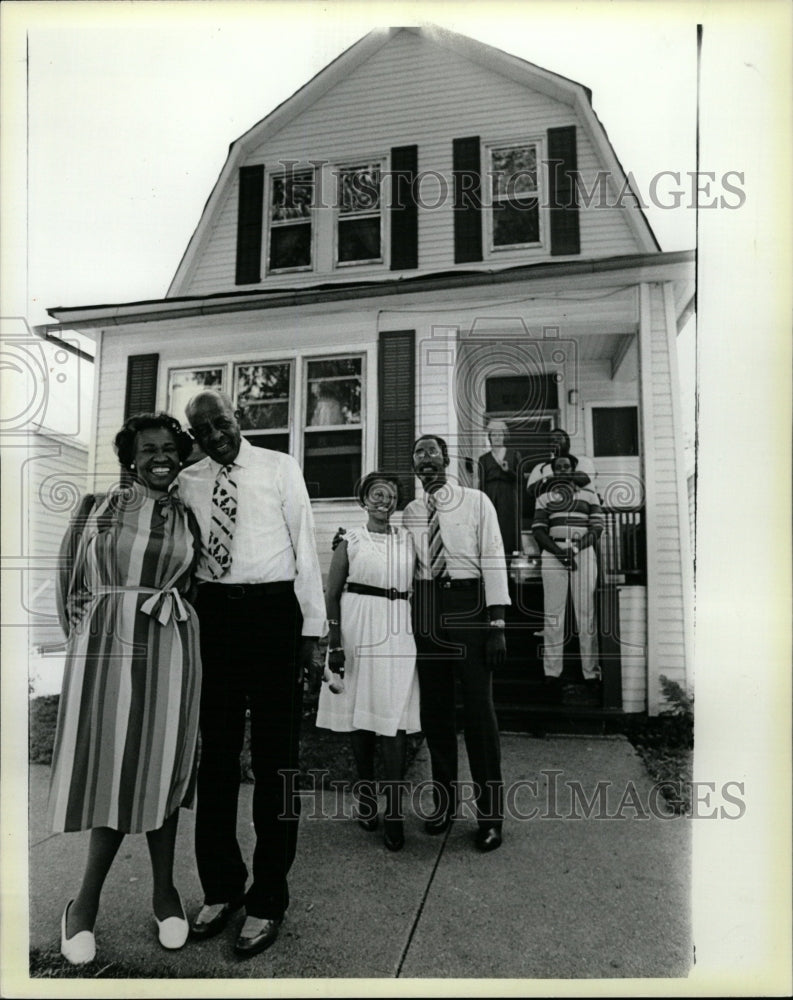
<point x="336" y="649"/>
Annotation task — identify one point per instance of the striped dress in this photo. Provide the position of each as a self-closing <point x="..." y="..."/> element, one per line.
<point x="125" y="746"/>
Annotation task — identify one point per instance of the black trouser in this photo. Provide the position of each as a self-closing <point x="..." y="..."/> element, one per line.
<point x="451" y="630"/>
<point x="249" y="643"/>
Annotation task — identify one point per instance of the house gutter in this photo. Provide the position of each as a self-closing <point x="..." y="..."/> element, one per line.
<point x="245" y="302"/>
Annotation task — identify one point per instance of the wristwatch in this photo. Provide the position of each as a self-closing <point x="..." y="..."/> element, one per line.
<point x="497" y="623"/>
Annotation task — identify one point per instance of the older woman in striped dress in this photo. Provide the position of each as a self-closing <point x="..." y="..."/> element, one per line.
<point x="125" y="747"/>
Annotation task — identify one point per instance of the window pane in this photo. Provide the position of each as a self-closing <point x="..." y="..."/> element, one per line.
<point x="332" y="463"/>
<point x="359" y="189"/>
<point x="334" y="368"/>
<point x="291" y="197"/>
<point x="290" y="246"/>
<point x="333" y="401"/>
<point x="615" y="430"/>
<point x="516" y="222"/>
<point x="262" y="394"/>
<point x="183" y="385"/>
<point x="359" y="239"/>
<point x="275" y="442"/>
<point x="514" y="171"/>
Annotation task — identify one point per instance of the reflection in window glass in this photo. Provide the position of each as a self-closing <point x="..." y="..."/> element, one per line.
<point x="333" y="439"/>
<point x="291" y="198"/>
<point x="359" y="230"/>
<point x="333" y="395"/>
<point x="184" y="383"/>
<point x="262" y="394"/>
<point x="515" y="193"/>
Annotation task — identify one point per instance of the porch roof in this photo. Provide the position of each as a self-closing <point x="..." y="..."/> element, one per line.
<point x="676" y="266"/>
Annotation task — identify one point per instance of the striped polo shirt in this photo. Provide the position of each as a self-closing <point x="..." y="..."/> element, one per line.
<point x="567" y="511"/>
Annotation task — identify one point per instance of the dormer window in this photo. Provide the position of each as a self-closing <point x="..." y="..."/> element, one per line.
<point x="290" y="218"/>
<point x="359" y="238"/>
<point x="515" y="194"/>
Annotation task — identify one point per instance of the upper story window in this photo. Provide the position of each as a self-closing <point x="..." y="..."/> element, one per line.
<point x="360" y="232"/>
<point x="515" y="194"/>
<point x="262" y="393"/>
<point x="290" y="218"/>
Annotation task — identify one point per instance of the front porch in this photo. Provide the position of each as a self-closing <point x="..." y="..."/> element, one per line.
<point x="523" y="699"/>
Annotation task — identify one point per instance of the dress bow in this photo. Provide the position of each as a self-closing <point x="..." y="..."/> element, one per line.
<point x="164" y="604"/>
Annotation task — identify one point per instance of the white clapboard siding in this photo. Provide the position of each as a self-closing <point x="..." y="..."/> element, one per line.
<point x="55" y="479"/>
<point x="384" y="103"/>
<point x="633" y="647"/>
<point x="667" y="547"/>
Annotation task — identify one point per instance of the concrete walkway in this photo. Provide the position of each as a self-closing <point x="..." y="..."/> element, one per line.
<point x="564" y="898"/>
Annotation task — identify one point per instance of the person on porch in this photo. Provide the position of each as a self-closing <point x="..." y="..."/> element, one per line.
<point x="559" y="441"/>
<point x="459" y="596"/>
<point x="568" y="523"/>
<point x="499" y="475"/>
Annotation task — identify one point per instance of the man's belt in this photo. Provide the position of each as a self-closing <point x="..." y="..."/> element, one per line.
<point x="392" y="593"/>
<point x="236" y="591"/>
<point x="449" y="583"/>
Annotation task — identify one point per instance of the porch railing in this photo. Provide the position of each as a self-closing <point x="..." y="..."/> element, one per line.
<point x="623" y="546"/>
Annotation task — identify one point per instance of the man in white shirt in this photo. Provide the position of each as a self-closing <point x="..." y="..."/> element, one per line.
<point x="458" y="621"/>
<point x="261" y="610"/>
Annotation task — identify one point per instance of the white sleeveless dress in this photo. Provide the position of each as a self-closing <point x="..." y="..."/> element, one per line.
<point x="381" y="691"/>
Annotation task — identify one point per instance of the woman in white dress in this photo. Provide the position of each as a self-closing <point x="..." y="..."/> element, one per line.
<point x="371" y="646"/>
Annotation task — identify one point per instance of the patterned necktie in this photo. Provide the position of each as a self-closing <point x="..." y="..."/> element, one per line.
<point x="224" y="514"/>
<point x="435" y="545"/>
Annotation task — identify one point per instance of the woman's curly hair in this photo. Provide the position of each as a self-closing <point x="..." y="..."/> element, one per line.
<point x="124" y="442"/>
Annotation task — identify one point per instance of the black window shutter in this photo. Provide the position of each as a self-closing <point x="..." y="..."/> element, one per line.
<point x="404" y="210"/>
<point x="249" y="225"/>
<point x="141" y="395"/>
<point x="562" y="163"/>
<point x="397" y="402"/>
<point x="467" y="171"/>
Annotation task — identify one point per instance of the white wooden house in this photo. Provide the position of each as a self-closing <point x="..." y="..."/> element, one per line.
<point x="430" y="233"/>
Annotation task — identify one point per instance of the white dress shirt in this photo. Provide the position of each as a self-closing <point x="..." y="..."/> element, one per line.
<point x="472" y="544"/>
<point x="274" y="530"/>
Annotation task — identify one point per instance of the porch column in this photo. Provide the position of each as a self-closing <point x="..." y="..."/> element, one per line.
<point x="668" y="561"/>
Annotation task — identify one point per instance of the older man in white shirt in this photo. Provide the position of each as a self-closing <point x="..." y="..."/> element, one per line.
<point x="261" y="610"/>
<point x="460" y="592"/>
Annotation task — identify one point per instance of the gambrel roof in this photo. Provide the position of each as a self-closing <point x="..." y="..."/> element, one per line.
<point x="527" y="74"/>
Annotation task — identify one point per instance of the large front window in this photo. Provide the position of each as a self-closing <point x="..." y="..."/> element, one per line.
<point x="291" y="199"/>
<point x="333" y="426"/>
<point x="515" y="196"/>
<point x="359" y="237"/>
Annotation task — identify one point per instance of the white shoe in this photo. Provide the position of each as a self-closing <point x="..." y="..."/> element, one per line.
<point x="78" y="949"/>
<point x="173" y="931"/>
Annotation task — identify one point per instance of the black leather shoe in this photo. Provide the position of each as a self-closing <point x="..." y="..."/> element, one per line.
<point x="394" y="835"/>
<point x="488" y="838"/>
<point x="249" y="946"/>
<point x="203" y="929"/>
<point x="438" y="825"/>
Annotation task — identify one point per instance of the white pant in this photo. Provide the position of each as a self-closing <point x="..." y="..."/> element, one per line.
<point x="582" y="585"/>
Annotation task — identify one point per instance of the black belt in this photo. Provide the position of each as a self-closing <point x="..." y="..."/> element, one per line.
<point x="392" y="593"/>
<point x="448" y="583"/>
<point x="236" y="591"/>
